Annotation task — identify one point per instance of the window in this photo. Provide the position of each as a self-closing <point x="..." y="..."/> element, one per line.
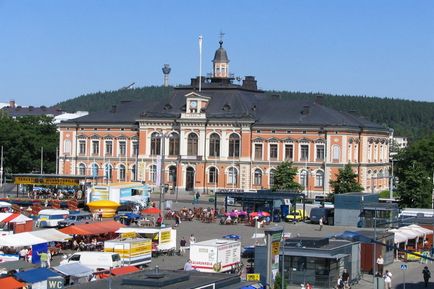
<point x="153" y="173"/>
<point x="135" y="151"/>
<point x="320" y="152"/>
<point x="304" y="150"/>
<point x="67" y="146"/>
<point x="172" y="175"/>
<point x="95" y="170"/>
<point x="122" y="173"/>
<point x="232" y="176"/>
<point x="213" y="175"/>
<point x="234" y="145"/>
<point x="108" y="172"/>
<point x="303" y="178"/>
<point x="174" y="144"/>
<point x="272" y="174"/>
<point x="109" y="148"/>
<point x="82" y="147"/>
<point x="258" y="152"/>
<point x="155" y="144"/>
<point x="336" y="153"/>
<point x="192" y="144"/>
<point x="273" y="151"/>
<point x="257" y="180"/>
<point x="319" y="179"/>
<point x="75" y="257"/>
<point x="214" y="145"/>
<point x="82" y="170"/>
<point x="289" y="152"/>
<point x="122" y="148"/>
<point x="95" y="147"/>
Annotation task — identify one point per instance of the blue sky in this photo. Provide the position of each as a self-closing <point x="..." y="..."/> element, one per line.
<point x="55" y="50"/>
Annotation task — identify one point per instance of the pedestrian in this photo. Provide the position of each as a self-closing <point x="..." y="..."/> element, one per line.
<point x="340" y="283"/>
<point x="380" y="265"/>
<point x="346" y="278"/>
<point x="177" y="220"/>
<point x="197" y="197"/>
<point x="192" y="239"/>
<point x="49" y="257"/>
<point x="182" y="246"/>
<point x="100" y="214"/>
<point x="43" y="256"/>
<point x="426" y="275"/>
<point x="23" y="253"/>
<point x="321" y="222"/>
<point x="387" y="280"/>
<point x="188" y="266"/>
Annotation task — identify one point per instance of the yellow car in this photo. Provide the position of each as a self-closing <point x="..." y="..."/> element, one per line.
<point x="295" y="216"/>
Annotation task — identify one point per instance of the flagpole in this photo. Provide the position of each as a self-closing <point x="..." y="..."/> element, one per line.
<point x="200" y="62"/>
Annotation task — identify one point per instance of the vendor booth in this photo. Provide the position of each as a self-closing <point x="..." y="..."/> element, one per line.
<point x="11" y="283"/>
<point x="36" y="278"/>
<point x="119" y="193"/>
<point x="163" y="239"/>
<point x="14" y="223"/>
<point x="412" y="238"/>
<point x="74" y="273"/>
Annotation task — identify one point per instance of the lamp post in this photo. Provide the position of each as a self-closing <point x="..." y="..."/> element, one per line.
<point x="161" y="159"/>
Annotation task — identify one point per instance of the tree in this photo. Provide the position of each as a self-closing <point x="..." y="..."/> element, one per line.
<point x="284" y="178"/>
<point x="415" y="187"/>
<point x="278" y="282"/>
<point x="345" y="181"/>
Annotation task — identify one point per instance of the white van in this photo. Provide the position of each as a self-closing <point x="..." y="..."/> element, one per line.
<point x="51" y="217"/>
<point x="95" y="260"/>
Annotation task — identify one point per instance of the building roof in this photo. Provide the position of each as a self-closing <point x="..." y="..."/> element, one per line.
<point x="221" y="54"/>
<point x="168" y="280"/>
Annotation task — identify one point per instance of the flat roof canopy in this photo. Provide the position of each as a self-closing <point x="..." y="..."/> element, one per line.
<point x="48" y="179"/>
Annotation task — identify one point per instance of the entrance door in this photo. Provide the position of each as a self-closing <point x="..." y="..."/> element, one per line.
<point x="189" y="179"/>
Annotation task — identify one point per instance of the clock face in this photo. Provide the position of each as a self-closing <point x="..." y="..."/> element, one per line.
<point x="193" y="104"/>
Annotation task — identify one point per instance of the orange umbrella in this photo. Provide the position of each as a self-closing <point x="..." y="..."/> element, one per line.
<point x="151" y="211"/>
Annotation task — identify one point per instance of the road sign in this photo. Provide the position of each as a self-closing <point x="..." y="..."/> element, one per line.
<point x="253" y="277"/>
<point x="404" y="267"/>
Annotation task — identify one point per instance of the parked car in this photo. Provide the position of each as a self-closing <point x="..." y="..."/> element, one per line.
<point x="127" y="217"/>
<point x="75" y="219"/>
<point x="295" y="216"/>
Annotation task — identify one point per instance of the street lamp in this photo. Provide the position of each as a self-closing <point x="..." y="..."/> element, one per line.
<point x="161" y="163"/>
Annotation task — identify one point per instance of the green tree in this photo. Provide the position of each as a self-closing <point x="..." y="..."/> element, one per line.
<point x="346" y="181"/>
<point x="22" y="140"/>
<point x="415" y="186"/>
<point x="278" y="282"/>
<point x="284" y="178"/>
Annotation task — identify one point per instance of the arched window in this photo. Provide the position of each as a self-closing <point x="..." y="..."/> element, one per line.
<point x="108" y="170"/>
<point x="174" y="144"/>
<point x="232" y="176"/>
<point x="95" y="170"/>
<point x="155" y="144"/>
<point x="272" y="174"/>
<point x="153" y="173"/>
<point x="133" y="173"/>
<point x="212" y="175"/>
<point x="319" y="179"/>
<point x="336" y="153"/>
<point x="122" y="173"/>
<point x="257" y="180"/>
<point x="303" y="178"/>
<point x="81" y="169"/>
<point x="192" y="144"/>
<point x="214" y="145"/>
<point x="234" y="145"/>
<point x="172" y="175"/>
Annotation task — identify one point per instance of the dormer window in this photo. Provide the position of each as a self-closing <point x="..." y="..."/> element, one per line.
<point x="193" y="106"/>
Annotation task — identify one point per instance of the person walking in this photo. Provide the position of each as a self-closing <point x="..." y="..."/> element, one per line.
<point x="426" y="275"/>
<point x="197" y="197"/>
<point x="192" y="239"/>
<point x="321" y="223"/>
<point x="44" y="258"/>
<point x="182" y="245"/>
<point x="387" y="280"/>
<point x="380" y="265"/>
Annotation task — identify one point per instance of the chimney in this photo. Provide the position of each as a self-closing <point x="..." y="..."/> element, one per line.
<point x="12" y="103"/>
<point x="113" y="108"/>
<point x="306" y="110"/>
<point x="250" y="83"/>
<point x="319" y="99"/>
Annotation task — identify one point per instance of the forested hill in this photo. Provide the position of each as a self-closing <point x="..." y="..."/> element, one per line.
<point x="413" y="119"/>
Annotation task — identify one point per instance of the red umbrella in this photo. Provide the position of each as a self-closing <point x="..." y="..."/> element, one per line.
<point x="151" y="211"/>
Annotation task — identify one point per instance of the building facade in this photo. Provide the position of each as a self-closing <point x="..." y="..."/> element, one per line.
<point x="224" y="136"/>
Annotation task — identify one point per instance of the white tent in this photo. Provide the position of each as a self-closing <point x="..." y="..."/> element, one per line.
<point x="399" y="236"/>
<point x="5" y="205"/>
<point x="418" y="228"/>
<point x="33" y="238"/>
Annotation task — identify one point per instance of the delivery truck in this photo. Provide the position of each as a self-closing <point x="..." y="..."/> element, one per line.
<point x="216" y="255"/>
<point x="163" y="239"/>
<point x="133" y="252"/>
